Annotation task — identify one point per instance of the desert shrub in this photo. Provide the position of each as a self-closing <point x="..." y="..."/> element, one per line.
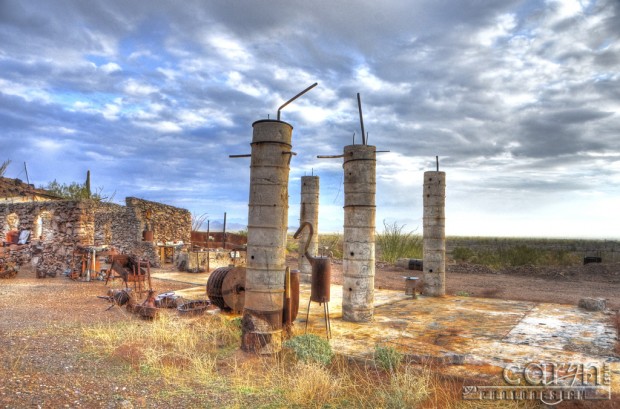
<point x="395" y="243"/>
<point x="331" y="243"/>
<point x="310" y="348"/>
<point x="463" y="254"/>
<point x="513" y="256"/>
<point x="292" y="245"/>
<point x="388" y="358"/>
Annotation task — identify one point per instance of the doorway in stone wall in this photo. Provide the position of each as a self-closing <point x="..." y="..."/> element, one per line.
<point x="43" y="227"/>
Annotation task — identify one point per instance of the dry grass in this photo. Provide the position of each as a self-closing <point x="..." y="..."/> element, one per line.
<point x="172" y="348"/>
<point x="204" y="352"/>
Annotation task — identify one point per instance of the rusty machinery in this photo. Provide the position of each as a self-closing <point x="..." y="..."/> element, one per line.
<point x="226" y="289"/>
<point x="320" y="280"/>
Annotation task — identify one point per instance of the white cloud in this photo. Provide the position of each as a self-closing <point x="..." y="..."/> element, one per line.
<point x="138" y="89"/>
<point x="240" y="83"/>
<point x="161" y="126"/>
<point x="27" y="92"/>
<point x="369" y="80"/>
<point x="503" y="27"/>
<point x="110" y="67"/>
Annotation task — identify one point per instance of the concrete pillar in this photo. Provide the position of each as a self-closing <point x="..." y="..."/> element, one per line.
<point x="309" y="212"/>
<point x="434" y="234"/>
<point x="359" y="233"/>
<point x="267" y="225"/>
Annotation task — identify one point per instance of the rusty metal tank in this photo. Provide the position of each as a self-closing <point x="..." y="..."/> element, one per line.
<point x="321" y="279"/>
<point x="321" y="269"/>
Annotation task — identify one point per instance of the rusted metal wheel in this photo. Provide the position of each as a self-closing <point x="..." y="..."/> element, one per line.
<point x="214" y="286"/>
<point x="226" y="288"/>
<point x="233" y="289"/>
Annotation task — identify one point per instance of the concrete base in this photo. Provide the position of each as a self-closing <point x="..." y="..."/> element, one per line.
<point x="476" y="337"/>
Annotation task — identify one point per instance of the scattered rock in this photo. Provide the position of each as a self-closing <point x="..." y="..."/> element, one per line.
<point x="593" y="304"/>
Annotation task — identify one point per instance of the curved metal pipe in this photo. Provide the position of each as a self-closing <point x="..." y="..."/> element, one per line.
<point x="296" y="236"/>
<point x="295" y="97"/>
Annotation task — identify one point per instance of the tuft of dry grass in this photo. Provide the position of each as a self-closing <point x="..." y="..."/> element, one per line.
<point x="172" y="348"/>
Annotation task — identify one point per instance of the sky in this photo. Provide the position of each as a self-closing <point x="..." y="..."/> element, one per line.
<point x="520" y="100"/>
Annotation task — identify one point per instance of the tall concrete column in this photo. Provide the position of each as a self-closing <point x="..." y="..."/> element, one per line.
<point x="267" y="225"/>
<point x="309" y="212"/>
<point x="434" y="234"/>
<point x="359" y="233"/>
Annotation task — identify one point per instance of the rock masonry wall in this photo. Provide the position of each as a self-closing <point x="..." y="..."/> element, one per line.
<point x="58" y="227"/>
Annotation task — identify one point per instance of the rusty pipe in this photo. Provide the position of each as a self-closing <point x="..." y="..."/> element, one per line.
<point x="298" y="232"/>
<point x="359" y="107"/>
<point x="295" y="97"/>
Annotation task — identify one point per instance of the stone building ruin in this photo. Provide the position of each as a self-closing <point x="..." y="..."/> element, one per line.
<point x="58" y="227"/>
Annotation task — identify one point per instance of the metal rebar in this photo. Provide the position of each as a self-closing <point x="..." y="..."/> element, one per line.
<point x="329" y="156"/>
<point x="247" y="155"/>
<point x="437" y="162"/>
<point x="295" y="97"/>
<point x="359" y="107"/>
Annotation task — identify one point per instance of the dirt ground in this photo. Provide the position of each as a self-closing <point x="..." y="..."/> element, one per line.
<point x="542" y="284"/>
<point x="561" y="285"/>
<point x="43" y="363"/>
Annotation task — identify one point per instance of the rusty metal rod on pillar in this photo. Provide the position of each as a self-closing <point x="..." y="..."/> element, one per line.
<point x="295" y="97"/>
<point x="359" y="107"/>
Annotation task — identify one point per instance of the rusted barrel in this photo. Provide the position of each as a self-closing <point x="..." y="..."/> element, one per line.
<point x="294" y="298"/>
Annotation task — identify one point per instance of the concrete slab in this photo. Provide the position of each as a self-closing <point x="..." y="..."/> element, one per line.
<point x="474" y="336"/>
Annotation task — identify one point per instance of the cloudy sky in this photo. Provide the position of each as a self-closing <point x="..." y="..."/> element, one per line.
<point x="519" y="99"/>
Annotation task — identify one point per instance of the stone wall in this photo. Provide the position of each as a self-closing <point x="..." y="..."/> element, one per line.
<point x="58" y="227"/>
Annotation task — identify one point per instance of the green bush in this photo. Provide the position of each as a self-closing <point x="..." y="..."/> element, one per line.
<point x="513" y="256"/>
<point x="310" y="348"/>
<point x="463" y="254"/>
<point x="394" y="243"/>
<point x="388" y="358"/>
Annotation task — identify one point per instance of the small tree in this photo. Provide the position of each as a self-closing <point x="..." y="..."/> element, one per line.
<point x="4" y="165"/>
<point x="198" y="221"/>
<point x="75" y="191"/>
<point x="395" y="243"/>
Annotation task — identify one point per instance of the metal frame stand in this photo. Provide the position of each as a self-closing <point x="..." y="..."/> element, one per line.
<point x="328" y="325"/>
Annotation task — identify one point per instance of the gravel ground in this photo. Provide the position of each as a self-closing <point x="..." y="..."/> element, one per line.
<point x="43" y="363"/>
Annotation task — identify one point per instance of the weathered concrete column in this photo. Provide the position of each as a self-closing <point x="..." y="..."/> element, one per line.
<point x="309" y="212"/>
<point x="359" y="233"/>
<point x="434" y="235"/>
<point x="267" y="225"/>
